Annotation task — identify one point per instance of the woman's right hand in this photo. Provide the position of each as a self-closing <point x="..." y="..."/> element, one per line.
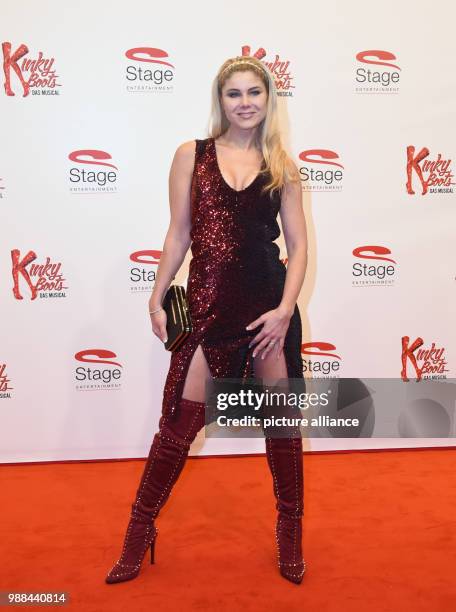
<point x="158" y="320"/>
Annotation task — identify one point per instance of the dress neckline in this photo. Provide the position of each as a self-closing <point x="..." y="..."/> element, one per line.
<point x="212" y="140"/>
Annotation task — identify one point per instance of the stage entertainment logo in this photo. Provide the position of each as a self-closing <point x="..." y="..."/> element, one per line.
<point x="2" y="190"/>
<point x="428" y="363"/>
<point x="44" y="280"/>
<point x="314" y="361"/>
<point x="36" y="75"/>
<point x="148" y="71"/>
<point x="382" y="78"/>
<point x="142" y="276"/>
<point x="5" y="388"/>
<point x="373" y="273"/>
<point x="92" y="180"/>
<point x="105" y="375"/>
<point x="321" y="171"/>
<point x="434" y="175"/>
<point x="278" y="68"/>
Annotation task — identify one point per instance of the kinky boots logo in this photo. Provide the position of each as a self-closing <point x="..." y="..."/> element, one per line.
<point x="149" y="71"/>
<point x="428" y="363"/>
<point x="44" y="280"/>
<point x="376" y="72"/>
<point x="104" y="375"/>
<point x="379" y="270"/>
<point x="279" y="69"/>
<point x="319" y="360"/>
<point x="95" y="178"/>
<point x="36" y="75"/>
<point x="144" y="270"/>
<point x="322" y="170"/>
<point x="435" y="175"/>
<point x="5" y="388"/>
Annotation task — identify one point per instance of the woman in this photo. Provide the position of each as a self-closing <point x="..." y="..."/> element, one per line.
<point x="225" y="194"/>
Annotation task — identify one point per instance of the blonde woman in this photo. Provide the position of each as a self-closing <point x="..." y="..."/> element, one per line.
<point x="225" y="194"/>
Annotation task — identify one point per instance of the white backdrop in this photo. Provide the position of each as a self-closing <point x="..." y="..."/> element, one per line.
<point x="88" y="110"/>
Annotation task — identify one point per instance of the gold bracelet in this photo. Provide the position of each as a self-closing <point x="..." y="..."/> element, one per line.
<point x="156" y="310"/>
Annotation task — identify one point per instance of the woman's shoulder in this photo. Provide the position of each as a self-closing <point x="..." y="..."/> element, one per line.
<point x="189" y="148"/>
<point x="186" y="148"/>
<point x="187" y="154"/>
<point x="291" y="171"/>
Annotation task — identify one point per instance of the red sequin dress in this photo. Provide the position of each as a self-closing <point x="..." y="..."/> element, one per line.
<point x="235" y="275"/>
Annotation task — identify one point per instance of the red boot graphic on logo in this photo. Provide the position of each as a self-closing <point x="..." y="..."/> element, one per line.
<point x="407" y="351"/>
<point x="20" y="266"/>
<point x="413" y="163"/>
<point x="10" y="61"/>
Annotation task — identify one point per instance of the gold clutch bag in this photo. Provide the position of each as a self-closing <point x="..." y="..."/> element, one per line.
<point x="178" y="322"/>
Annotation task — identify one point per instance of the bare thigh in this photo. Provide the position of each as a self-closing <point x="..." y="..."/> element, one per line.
<point x="270" y="368"/>
<point x="197" y="375"/>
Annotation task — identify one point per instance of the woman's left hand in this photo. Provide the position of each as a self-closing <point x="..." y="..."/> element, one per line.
<point x="272" y="335"/>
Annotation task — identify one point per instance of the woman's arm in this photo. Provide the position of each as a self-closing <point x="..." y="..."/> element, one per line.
<point x="177" y="240"/>
<point x="295" y="234"/>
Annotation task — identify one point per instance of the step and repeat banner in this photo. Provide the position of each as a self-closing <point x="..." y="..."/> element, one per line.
<point x="95" y="99"/>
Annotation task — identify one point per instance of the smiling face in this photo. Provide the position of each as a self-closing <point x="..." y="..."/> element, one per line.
<point x="244" y="99"/>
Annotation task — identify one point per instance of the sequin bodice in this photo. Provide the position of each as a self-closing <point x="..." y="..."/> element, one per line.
<point x="233" y="233"/>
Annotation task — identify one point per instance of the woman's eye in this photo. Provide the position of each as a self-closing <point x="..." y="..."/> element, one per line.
<point x="233" y="93"/>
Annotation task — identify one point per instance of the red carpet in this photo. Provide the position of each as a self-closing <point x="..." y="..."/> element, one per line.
<point x="379" y="534"/>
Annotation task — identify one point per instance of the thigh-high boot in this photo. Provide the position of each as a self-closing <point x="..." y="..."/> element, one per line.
<point x="167" y="457"/>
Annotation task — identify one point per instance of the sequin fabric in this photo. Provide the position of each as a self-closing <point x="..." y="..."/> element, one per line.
<point x="235" y="275"/>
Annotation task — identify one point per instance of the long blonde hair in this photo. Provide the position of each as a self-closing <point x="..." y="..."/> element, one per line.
<point x="268" y="138"/>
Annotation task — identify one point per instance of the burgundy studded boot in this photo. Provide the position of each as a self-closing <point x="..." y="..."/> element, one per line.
<point x="167" y="457"/>
<point x="284" y="457"/>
